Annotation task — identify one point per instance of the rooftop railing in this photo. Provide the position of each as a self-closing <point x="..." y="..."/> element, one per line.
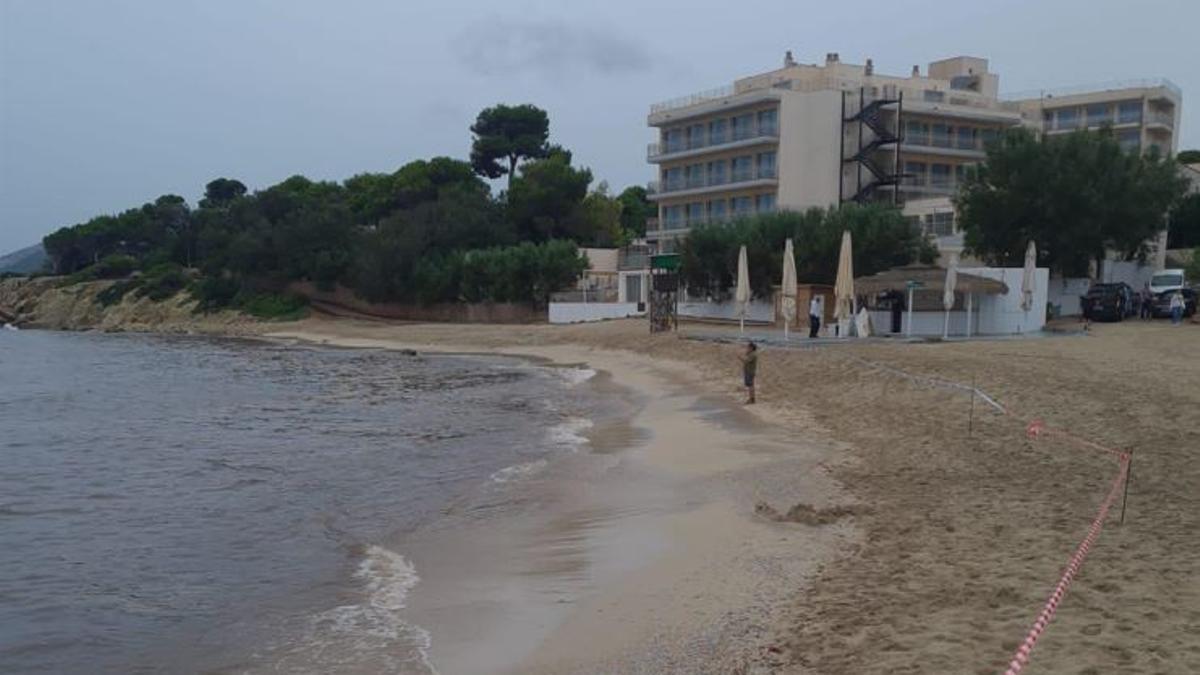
<point x="1144" y="83"/>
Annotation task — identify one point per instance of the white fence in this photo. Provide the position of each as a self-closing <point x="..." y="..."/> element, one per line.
<point x="578" y="312"/>
<point x="758" y="311"/>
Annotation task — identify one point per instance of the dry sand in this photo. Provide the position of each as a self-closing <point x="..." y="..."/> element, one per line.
<point x="959" y="538"/>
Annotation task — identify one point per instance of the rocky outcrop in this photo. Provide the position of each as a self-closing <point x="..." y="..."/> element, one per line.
<point x="48" y="302"/>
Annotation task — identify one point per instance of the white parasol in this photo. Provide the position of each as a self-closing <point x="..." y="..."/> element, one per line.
<point x="788" y="287"/>
<point x="843" y="287"/>
<point x="742" y="294"/>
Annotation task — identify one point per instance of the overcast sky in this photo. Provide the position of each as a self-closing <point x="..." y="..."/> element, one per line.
<point x="106" y="105"/>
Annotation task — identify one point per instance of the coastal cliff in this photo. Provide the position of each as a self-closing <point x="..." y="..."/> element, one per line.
<point x="48" y="302"/>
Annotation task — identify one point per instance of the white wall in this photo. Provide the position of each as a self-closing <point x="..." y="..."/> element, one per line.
<point x="759" y="310"/>
<point x="1002" y="314"/>
<point x="1132" y="273"/>
<point x="810" y="127"/>
<point x="577" y="312"/>
<point x="1064" y="295"/>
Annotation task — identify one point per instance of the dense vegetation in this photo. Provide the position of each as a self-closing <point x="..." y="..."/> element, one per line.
<point x="882" y="239"/>
<point x="429" y="232"/>
<point x="1078" y="196"/>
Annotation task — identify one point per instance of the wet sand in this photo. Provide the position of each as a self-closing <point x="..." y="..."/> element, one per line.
<point x="643" y="555"/>
<point x="964" y="534"/>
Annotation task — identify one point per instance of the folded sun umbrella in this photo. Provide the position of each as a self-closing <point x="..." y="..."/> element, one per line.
<point x="742" y="294"/>
<point x="843" y="287"/>
<point x="948" y="293"/>
<point x="1029" y="280"/>
<point x="789" y="286"/>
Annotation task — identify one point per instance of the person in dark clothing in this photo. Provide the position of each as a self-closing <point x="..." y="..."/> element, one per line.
<point x="814" y="316"/>
<point x="749" y="370"/>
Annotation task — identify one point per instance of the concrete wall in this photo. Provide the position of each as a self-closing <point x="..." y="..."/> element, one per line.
<point x="758" y="311"/>
<point x="1064" y="295"/>
<point x="578" y="312"/>
<point x="809" y="160"/>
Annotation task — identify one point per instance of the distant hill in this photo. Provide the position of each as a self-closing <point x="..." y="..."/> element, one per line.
<point x="24" y="261"/>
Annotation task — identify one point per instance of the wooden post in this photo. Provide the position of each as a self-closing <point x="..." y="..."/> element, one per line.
<point x="971" y="416"/>
<point x="1128" y="477"/>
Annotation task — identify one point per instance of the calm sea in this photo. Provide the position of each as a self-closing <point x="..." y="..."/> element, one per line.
<point x="198" y="505"/>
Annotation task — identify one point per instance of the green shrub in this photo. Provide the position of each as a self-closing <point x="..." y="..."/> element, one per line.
<point x="215" y="292"/>
<point x="116" y="266"/>
<point x="163" y="281"/>
<point x="280" y="306"/>
<point x="116" y="292"/>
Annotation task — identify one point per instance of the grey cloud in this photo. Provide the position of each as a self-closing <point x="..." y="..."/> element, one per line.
<point x="547" y="47"/>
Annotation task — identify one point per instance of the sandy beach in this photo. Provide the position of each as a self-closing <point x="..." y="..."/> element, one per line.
<point x="957" y="525"/>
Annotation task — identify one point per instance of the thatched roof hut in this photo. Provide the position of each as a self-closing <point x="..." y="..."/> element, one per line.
<point x="930" y="278"/>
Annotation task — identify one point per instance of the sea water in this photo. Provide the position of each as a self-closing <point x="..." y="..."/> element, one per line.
<point x="202" y="505"/>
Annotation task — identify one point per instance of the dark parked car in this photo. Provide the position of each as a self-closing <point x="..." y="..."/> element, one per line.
<point x="1108" y="302"/>
<point x="1162" y="303"/>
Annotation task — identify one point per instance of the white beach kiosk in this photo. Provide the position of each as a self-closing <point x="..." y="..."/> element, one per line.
<point x="987" y="301"/>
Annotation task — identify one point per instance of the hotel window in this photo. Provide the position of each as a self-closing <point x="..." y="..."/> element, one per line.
<point x="695" y="213"/>
<point x="673" y="139"/>
<point x="716" y="172"/>
<point x="940" y="224"/>
<point x="716" y="131"/>
<point x="1130" y="139"/>
<point x="960" y="173"/>
<point x="1129" y="112"/>
<point x="673" y="179"/>
<point x="990" y="135"/>
<point x="916" y="133"/>
<point x="941" y="135"/>
<point x="914" y="173"/>
<point x="1048" y="119"/>
<point x="741" y="205"/>
<point x="1099" y="114"/>
<point x="935" y="96"/>
<point x="766" y="165"/>
<point x="768" y="122"/>
<point x="695" y="134"/>
<point x="695" y="175"/>
<point x="716" y="210"/>
<point x="765" y="203"/>
<point x="743" y="168"/>
<point x="673" y="216"/>
<point x="968" y="138"/>
<point x="1068" y="118"/>
<point x="742" y="127"/>
<point x="939" y="175"/>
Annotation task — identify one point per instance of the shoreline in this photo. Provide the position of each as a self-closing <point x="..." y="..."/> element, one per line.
<point x="669" y="553"/>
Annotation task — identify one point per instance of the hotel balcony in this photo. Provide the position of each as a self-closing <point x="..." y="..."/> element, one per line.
<point x="735" y="180"/>
<point x="1160" y="120"/>
<point x="659" y="152"/>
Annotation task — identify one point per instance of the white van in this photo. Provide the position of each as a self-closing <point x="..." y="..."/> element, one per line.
<point x="1167" y="280"/>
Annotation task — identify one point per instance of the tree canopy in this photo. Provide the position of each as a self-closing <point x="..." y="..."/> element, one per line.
<point x="1184" y="223"/>
<point x="1077" y="196"/>
<point x="430" y="231"/>
<point x="508" y="133"/>
<point x="882" y="239"/>
<point x="1188" y="157"/>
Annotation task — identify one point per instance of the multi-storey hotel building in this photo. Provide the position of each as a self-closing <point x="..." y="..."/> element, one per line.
<point x="818" y="135"/>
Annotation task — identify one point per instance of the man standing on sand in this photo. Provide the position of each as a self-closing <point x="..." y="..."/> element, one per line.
<point x="749" y="369"/>
<point x="1177" y="305"/>
<point x="814" y="316"/>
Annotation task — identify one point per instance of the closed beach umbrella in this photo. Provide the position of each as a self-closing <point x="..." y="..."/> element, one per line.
<point x="948" y="293"/>
<point x="742" y="294"/>
<point x="843" y="287"/>
<point x="1029" y="280"/>
<point x="789" y="286"/>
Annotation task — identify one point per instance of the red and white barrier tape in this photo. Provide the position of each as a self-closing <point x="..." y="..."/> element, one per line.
<point x="1021" y="657"/>
<point x="1036" y="429"/>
